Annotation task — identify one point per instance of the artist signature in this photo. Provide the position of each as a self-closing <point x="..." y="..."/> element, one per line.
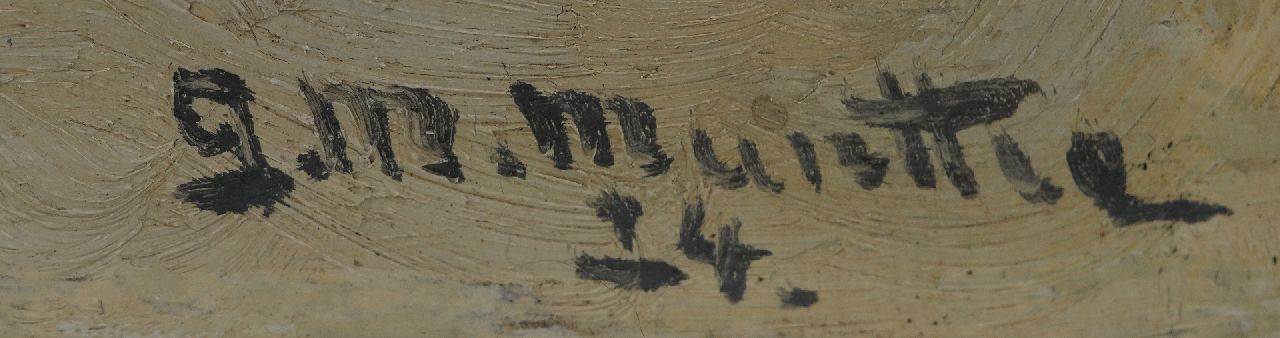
<point x="1096" y="160"/>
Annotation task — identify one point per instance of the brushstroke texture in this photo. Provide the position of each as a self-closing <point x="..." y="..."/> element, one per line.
<point x="640" y="131"/>
<point x="373" y="115"/>
<point x="852" y="153"/>
<point x="695" y="246"/>
<point x="1016" y="167"/>
<point x="943" y="112"/>
<point x="621" y="211"/>
<point x="1097" y="165"/>
<point x="332" y="141"/>
<point x="507" y="162"/>
<point x="255" y="183"/>
<point x="797" y="297"/>
<point x="808" y="158"/>
<point x="732" y="260"/>
<point x="433" y="123"/>
<point x="721" y="174"/>
<point x="645" y="275"/>
<point x="754" y="166"/>
<point x="546" y="122"/>
<point x="588" y="116"/>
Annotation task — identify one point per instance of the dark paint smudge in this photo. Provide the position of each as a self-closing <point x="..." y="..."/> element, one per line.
<point x="951" y="155"/>
<point x="328" y="130"/>
<point x="545" y="120"/>
<point x="751" y="162"/>
<point x="943" y="112"/>
<point x="962" y="105"/>
<point x="797" y="297"/>
<point x="373" y="114"/>
<point x="238" y="190"/>
<point x="852" y="152"/>
<point x="915" y="156"/>
<point x="311" y="164"/>
<point x="1097" y="165"/>
<point x="508" y="164"/>
<point x="705" y="154"/>
<point x="433" y="123"/>
<point x="621" y="211"/>
<point x="256" y="183"/>
<point x="448" y="168"/>
<point x="643" y="274"/>
<point x="588" y="115"/>
<point x="640" y="131"/>
<point x="695" y="246"/>
<point x="732" y="260"/>
<point x="1017" y="169"/>
<point x="808" y="159"/>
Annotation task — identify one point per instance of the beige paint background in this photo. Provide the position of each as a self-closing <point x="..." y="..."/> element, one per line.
<point x="93" y="243"/>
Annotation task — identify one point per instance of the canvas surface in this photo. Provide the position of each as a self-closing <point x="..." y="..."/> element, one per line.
<point x="1099" y="168"/>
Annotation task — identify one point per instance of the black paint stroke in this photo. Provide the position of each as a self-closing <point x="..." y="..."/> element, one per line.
<point x="1097" y="165"/>
<point x="732" y="260"/>
<point x="712" y="166"/>
<point x="695" y="246"/>
<point x="546" y="122"/>
<point x="797" y="297"/>
<point x="852" y="152"/>
<point x="808" y="159"/>
<point x="729" y="256"/>
<point x="962" y="105"/>
<point x="238" y="190"/>
<point x="1017" y="169"/>
<point x="221" y="87"/>
<point x="942" y="112"/>
<point x="640" y="132"/>
<point x="951" y="155"/>
<point x="642" y="274"/>
<point x="449" y="168"/>
<point x="508" y="164"/>
<point x="328" y="130"/>
<point x="622" y="211"/>
<point x="588" y="116"/>
<point x="373" y="114"/>
<point x="433" y="123"/>
<point x="311" y="163"/>
<point x="256" y="183"/>
<point x="751" y="162"/>
<point x="915" y="157"/>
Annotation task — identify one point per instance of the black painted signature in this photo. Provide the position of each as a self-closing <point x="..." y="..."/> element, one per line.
<point x="1096" y="160"/>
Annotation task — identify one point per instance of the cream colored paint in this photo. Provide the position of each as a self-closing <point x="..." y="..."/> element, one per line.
<point x="92" y="242"/>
